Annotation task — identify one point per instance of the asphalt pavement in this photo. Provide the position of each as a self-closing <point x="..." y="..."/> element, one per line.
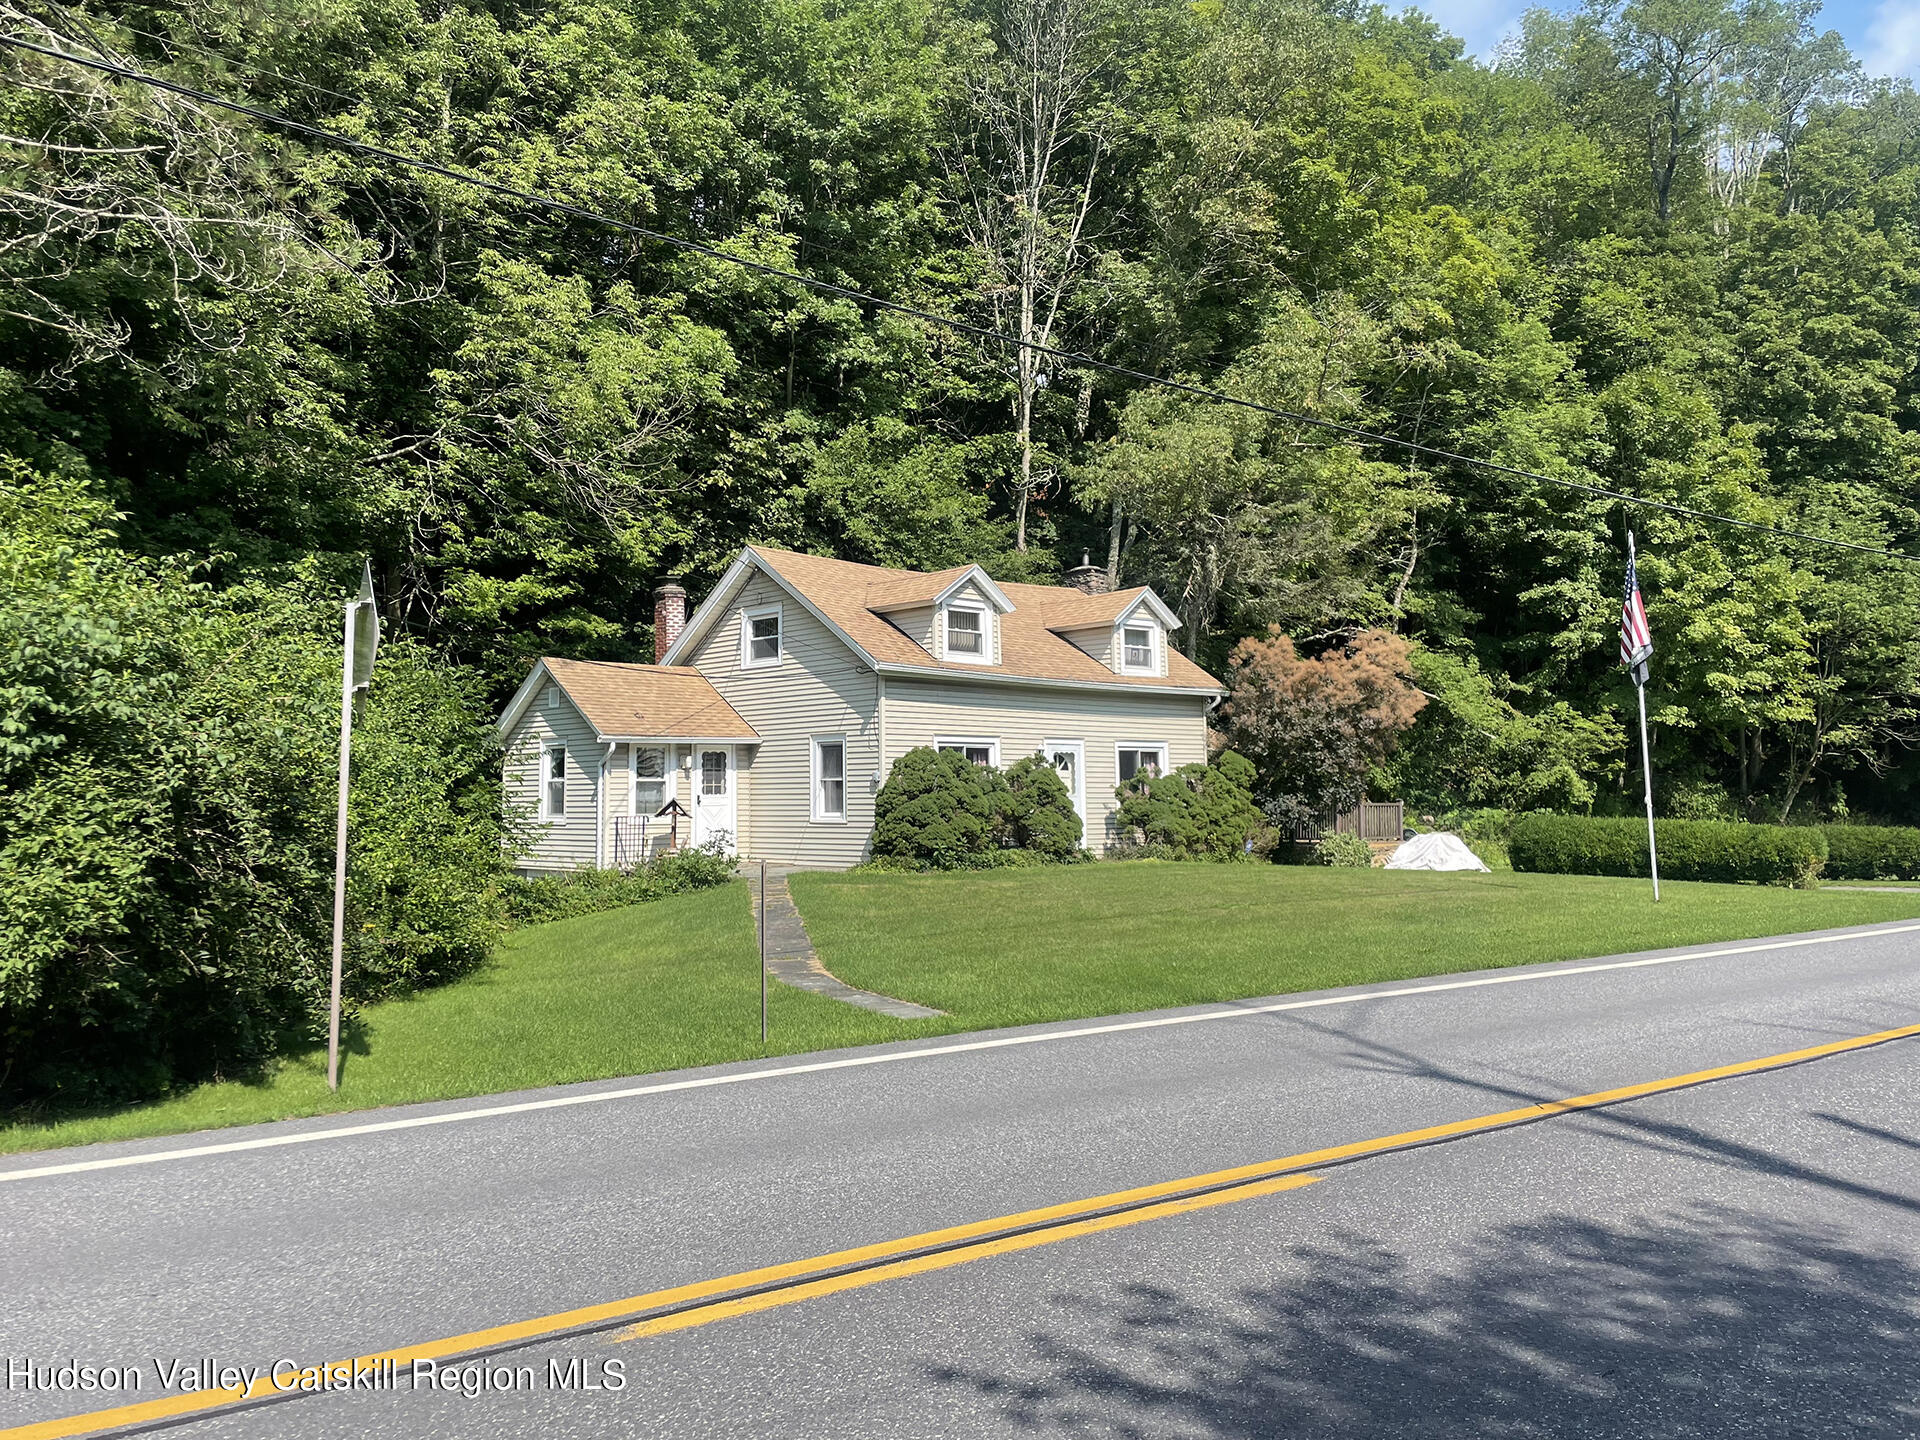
<point x="1738" y="1258"/>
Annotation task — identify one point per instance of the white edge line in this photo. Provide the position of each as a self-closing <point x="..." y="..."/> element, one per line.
<point x="1239" y="1012"/>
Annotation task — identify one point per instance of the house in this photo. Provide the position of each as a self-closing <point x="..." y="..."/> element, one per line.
<point x="773" y="714"/>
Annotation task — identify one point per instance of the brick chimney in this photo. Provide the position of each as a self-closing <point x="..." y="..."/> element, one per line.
<point x="1087" y="577"/>
<point x="669" y="615"/>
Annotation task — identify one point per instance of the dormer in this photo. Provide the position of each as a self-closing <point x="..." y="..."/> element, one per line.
<point x="1127" y="632"/>
<point x="954" y="615"/>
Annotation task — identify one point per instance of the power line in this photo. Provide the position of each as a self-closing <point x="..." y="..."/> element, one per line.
<point x="180" y="44"/>
<point x="914" y="312"/>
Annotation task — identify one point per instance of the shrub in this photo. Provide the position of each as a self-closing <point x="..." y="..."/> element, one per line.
<point x="1872" y="852"/>
<point x="985" y="860"/>
<point x="1040" y="813"/>
<point x="939" y="806"/>
<point x="1342" y="849"/>
<point x="1716" y="850"/>
<point x="1199" y="812"/>
<point x="534" y="900"/>
<point x="167" y="783"/>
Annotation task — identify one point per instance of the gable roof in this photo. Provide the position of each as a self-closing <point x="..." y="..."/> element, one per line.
<point x="635" y="702"/>
<point x="1090" y="612"/>
<point x="843" y="595"/>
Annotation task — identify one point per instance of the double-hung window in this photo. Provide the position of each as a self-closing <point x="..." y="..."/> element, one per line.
<point x="1136" y="648"/>
<point x="980" y="752"/>
<point x="649" y="780"/>
<point x="829" y="777"/>
<point x="760" y="637"/>
<point x="1142" y="760"/>
<point x="966" y="634"/>
<point x="553" y="782"/>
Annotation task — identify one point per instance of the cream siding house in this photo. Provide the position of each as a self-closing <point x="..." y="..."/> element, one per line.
<point x="777" y="709"/>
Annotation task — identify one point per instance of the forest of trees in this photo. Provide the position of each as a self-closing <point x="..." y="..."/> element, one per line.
<point x="1667" y="247"/>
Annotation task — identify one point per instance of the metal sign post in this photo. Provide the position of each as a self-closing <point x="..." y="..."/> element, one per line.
<point x="358" y="647"/>
<point x="763" y="952"/>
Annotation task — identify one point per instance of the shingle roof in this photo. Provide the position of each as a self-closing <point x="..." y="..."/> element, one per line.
<point x="652" y="702"/>
<point x="1029" y="649"/>
<point x="1086" y="611"/>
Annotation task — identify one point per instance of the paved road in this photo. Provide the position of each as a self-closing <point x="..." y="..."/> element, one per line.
<point x="1739" y="1258"/>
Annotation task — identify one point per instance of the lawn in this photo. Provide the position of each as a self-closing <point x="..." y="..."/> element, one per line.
<point x="673" y="983"/>
<point x="1010" y="947"/>
<point x="651" y="987"/>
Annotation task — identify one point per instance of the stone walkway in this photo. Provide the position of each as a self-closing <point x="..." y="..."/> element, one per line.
<point x="790" y="957"/>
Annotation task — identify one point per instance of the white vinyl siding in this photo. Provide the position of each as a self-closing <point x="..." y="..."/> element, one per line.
<point x="820" y="688"/>
<point x="920" y="712"/>
<point x="564" y="841"/>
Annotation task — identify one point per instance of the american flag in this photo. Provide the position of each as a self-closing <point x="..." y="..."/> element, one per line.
<point x="1636" y="640"/>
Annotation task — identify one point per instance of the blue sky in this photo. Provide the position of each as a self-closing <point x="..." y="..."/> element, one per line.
<point x="1884" y="34"/>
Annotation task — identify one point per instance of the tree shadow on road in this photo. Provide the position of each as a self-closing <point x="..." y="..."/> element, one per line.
<point x="1704" y="1323"/>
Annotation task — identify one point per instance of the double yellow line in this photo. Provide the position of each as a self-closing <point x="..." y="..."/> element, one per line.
<point x="682" y="1307"/>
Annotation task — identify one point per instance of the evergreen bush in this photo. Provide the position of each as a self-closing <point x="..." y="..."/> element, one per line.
<point x="1040" y="813"/>
<point x="1724" y="851"/>
<point x="1872" y="852"/>
<point x="1199" y="812"/>
<point x="939" y="806"/>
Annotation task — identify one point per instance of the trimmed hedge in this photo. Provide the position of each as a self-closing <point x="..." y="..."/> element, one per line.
<point x="1724" y="851"/>
<point x="1872" y="852"/>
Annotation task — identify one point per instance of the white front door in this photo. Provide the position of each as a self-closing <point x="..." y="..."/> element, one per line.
<point x="1069" y="761"/>
<point x="715" y="813"/>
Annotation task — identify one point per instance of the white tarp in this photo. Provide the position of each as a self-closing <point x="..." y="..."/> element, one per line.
<point x="1439" y="851"/>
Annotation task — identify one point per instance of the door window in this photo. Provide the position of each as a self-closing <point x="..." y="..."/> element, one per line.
<point x="713" y="772"/>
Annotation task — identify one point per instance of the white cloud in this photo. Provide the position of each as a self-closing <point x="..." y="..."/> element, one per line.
<point x="1893" y="39"/>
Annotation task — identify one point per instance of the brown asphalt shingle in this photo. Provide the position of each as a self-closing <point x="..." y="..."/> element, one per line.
<point x="844" y="592"/>
<point x="654" y="702"/>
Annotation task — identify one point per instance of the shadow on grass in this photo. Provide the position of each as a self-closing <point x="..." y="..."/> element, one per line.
<point x="1711" y="1322"/>
<point x="355" y="1040"/>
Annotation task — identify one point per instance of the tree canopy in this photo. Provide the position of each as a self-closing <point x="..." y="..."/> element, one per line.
<point x="1666" y="247"/>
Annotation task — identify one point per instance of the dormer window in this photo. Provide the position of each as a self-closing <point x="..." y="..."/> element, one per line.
<point x="967" y="635"/>
<point x="1136" y="650"/>
<point x="964" y="632"/>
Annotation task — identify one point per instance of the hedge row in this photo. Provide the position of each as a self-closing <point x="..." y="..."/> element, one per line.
<point x="1872" y="852"/>
<point x="1718" y="850"/>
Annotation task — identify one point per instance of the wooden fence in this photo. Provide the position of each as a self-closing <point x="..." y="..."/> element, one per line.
<point x="1370" y="820"/>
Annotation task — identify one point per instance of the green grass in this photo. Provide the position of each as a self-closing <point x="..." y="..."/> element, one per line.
<point x="651" y="987"/>
<point x="1011" y="947"/>
<point x="673" y="983"/>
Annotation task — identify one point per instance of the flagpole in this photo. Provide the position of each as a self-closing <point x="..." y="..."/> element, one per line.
<point x="1646" y="771"/>
<point x="340" y="848"/>
<point x="1639" y="674"/>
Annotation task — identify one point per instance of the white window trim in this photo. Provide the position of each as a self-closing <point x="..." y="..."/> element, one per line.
<point x="985" y="657"/>
<point x="664" y="779"/>
<point x="950" y="742"/>
<point x="1166" y="755"/>
<point x="1152" y="667"/>
<point x="547" y="777"/>
<point x="759" y="612"/>
<point x="819" y="814"/>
